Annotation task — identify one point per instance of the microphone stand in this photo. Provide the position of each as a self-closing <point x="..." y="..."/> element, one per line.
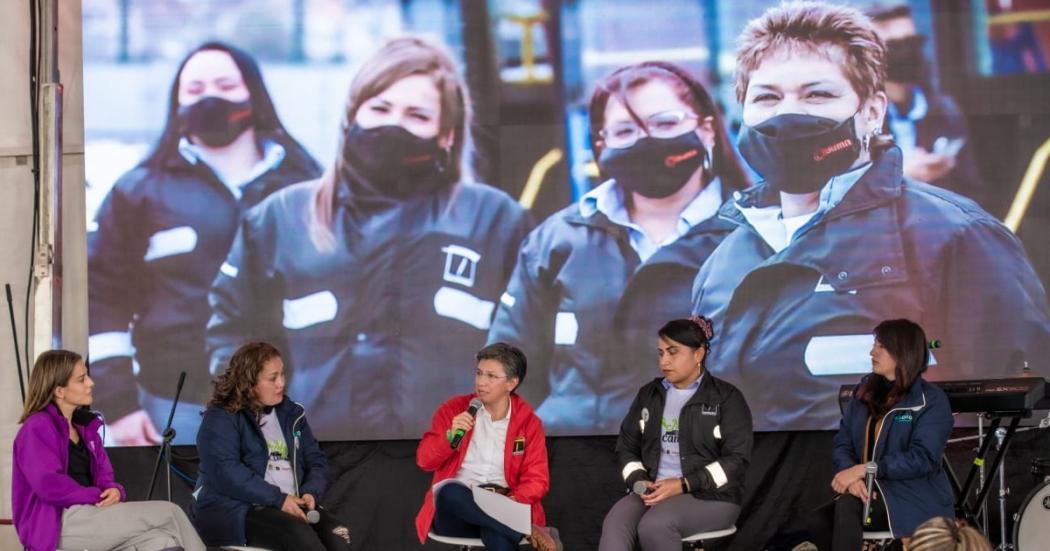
<point x="165" y="446"/>
<point x="14" y="333"/>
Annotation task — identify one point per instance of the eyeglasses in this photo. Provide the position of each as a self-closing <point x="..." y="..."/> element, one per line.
<point x="489" y="376"/>
<point x="668" y="124"/>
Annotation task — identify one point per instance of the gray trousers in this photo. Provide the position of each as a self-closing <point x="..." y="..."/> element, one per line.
<point x="134" y="526"/>
<point x="662" y="526"/>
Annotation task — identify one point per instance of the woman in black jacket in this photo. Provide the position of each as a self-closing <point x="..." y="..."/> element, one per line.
<point x="380" y="277"/>
<point x="683" y="447"/>
<point x="165" y="228"/>
<point x="262" y="472"/>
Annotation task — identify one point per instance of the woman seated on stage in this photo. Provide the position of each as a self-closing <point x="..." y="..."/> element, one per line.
<point x="502" y="448"/>
<point x="901" y="423"/>
<point x="262" y="472"/>
<point x="63" y="493"/>
<point x="683" y="447"/>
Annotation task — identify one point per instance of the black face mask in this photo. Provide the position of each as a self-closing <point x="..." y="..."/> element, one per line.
<point x="654" y="167"/>
<point x="906" y="60"/>
<point x="395" y="161"/>
<point x="799" y="153"/>
<point x="215" y="121"/>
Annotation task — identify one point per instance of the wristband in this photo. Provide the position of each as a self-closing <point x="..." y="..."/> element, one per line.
<point x="685" y="485"/>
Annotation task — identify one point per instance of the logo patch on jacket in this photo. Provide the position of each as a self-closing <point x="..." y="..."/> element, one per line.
<point x="519" y="446"/>
<point x="461" y="265"/>
<point x="903" y="417"/>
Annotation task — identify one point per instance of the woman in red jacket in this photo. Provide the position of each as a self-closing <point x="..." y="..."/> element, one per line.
<point x="503" y="449"/>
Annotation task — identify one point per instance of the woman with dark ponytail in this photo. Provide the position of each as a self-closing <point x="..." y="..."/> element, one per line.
<point x="683" y="448"/>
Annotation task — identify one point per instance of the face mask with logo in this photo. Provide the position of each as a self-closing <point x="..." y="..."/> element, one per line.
<point x="654" y="167"/>
<point x="797" y="153"/>
<point x="215" y="121"/>
<point x="906" y="60"/>
<point x="395" y="161"/>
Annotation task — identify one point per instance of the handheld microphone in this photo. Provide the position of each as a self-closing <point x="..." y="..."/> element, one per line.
<point x="313" y="517"/>
<point x="641" y="488"/>
<point x="870" y="470"/>
<point x="457" y="436"/>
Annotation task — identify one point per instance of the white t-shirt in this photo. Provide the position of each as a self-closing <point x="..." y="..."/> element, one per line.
<point x="670" y="456"/>
<point x="278" y="468"/>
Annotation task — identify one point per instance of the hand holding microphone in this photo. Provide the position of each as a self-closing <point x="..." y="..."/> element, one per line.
<point x="464" y="422"/>
<point x="870" y="470"/>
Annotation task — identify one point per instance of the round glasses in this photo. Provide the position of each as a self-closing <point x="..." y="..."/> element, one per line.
<point x="668" y="124"/>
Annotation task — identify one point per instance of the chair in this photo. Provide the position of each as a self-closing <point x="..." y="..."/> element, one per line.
<point x="697" y="540"/>
<point x="878" y="541"/>
<point x="464" y="544"/>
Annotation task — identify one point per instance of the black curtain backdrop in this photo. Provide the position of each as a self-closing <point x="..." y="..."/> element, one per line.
<point x="377" y="488"/>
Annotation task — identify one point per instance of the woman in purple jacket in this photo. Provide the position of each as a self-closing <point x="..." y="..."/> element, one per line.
<point x="63" y="493"/>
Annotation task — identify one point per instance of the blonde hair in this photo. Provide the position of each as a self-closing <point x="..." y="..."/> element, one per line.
<point x="52" y="369"/>
<point x="399" y="58"/>
<point x="945" y="534"/>
<point x="812" y="27"/>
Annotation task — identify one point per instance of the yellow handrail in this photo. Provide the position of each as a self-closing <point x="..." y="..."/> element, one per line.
<point x="536" y="175"/>
<point x="1030" y="16"/>
<point x="1029" y="182"/>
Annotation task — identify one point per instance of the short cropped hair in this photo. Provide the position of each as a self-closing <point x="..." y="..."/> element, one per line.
<point x="813" y="26"/>
<point x="510" y="357"/>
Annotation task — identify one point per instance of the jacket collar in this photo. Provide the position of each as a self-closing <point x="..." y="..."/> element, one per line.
<point x="89" y="421"/>
<point x="881" y="184"/>
<point x="915" y="400"/>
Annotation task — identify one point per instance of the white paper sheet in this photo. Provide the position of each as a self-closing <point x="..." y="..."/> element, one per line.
<point x="516" y="516"/>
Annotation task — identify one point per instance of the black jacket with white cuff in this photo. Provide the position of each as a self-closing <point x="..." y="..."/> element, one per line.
<point x="714" y="436"/>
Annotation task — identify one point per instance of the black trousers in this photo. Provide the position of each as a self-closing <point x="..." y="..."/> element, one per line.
<point x="837" y="525"/>
<point x="274" y="529"/>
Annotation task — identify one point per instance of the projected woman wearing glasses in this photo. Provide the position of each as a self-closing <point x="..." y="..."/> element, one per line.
<point x="378" y="277"/>
<point x="164" y="230"/>
<point x="835" y="239"/>
<point x="594" y="279"/>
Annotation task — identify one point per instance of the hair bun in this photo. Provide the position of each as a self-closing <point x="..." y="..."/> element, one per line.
<point x="705" y="325"/>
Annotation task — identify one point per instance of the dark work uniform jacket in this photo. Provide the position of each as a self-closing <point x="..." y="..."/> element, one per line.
<point x="585" y="309"/>
<point x="161" y="237"/>
<point x="714" y="439"/>
<point x="945" y="119"/>
<point x="383" y="327"/>
<point x="791" y="327"/>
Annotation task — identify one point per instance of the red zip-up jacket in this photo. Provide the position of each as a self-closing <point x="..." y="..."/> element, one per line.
<point x="524" y="463"/>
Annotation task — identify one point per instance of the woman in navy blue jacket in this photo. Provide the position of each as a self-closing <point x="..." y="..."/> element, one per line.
<point x="901" y="423"/>
<point x="262" y="472"/>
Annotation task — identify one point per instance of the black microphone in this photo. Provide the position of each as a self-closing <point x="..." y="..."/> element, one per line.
<point x="641" y="488"/>
<point x="457" y="436"/>
<point x="870" y="469"/>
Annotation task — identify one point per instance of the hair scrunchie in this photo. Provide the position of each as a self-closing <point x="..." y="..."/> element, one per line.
<point x="705" y="326"/>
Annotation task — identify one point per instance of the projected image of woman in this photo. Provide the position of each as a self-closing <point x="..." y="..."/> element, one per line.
<point x="594" y="279"/>
<point x="378" y="277"/>
<point x="683" y="448"/>
<point x="835" y="239"/>
<point x="901" y="423"/>
<point x="164" y="230"/>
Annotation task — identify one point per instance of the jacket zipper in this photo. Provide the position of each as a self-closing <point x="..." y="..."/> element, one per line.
<point x="874" y="449"/>
<point x="295" y="448"/>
